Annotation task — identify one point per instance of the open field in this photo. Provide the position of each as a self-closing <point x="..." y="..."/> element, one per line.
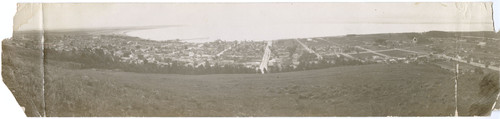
<point x="397" y="53"/>
<point x="451" y="65"/>
<point x="371" y="47"/>
<point x="364" y="55"/>
<point x="380" y="91"/>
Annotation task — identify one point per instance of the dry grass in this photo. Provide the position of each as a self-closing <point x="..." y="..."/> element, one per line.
<point x="365" y="90"/>
<point x="21" y="72"/>
<point x="380" y="91"/>
<point x="397" y="53"/>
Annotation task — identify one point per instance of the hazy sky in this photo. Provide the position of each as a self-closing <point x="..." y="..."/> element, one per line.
<point x="73" y="16"/>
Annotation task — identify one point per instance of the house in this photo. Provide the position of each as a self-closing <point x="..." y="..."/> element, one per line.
<point x="481" y="44"/>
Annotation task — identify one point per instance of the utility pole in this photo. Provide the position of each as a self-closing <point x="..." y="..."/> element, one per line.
<point x="456" y="80"/>
<point x="456" y="91"/>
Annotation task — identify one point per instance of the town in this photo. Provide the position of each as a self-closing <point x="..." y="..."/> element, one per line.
<point x="287" y="54"/>
<point x="85" y="73"/>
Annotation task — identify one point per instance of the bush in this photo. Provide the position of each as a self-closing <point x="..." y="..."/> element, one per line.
<point x="489" y="85"/>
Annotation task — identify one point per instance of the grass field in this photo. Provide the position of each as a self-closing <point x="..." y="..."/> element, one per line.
<point x="375" y="48"/>
<point x="363" y="90"/>
<point x="365" y="55"/>
<point x="22" y="73"/>
<point x="397" y="53"/>
<point x="380" y="91"/>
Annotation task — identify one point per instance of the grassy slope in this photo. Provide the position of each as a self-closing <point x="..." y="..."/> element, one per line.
<point x="368" y="90"/>
<point x="381" y="90"/>
<point x="22" y="73"/>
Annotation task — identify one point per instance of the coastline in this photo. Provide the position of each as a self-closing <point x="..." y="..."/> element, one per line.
<point x="265" y="32"/>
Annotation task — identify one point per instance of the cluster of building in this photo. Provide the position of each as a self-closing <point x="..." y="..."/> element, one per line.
<point x="471" y="49"/>
<point x="135" y="50"/>
<point x="277" y="53"/>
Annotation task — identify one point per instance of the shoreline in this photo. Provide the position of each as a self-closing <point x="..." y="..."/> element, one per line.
<point x="204" y="33"/>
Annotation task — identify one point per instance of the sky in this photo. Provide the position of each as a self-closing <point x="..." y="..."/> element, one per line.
<point x="53" y="16"/>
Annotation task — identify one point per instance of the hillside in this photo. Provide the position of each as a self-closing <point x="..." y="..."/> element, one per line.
<point x="22" y="73"/>
<point x="361" y="90"/>
<point x="381" y="90"/>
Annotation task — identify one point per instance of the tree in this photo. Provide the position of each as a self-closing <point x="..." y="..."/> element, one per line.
<point x="291" y="50"/>
<point x="488" y="93"/>
<point x="306" y="56"/>
<point x="441" y="34"/>
<point x="486" y="64"/>
<point x="381" y="41"/>
<point x="127" y="54"/>
<point x="478" y="70"/>
<point x="489" y="85"/>
<point x="438" y="50"/>
<point x="424" y="41"/>
<point x="140" y="56"/>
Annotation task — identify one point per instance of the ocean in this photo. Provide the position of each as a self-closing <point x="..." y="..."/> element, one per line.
<point x="262" y="32"/>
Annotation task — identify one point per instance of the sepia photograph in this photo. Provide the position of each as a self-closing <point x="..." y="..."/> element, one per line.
<point x="283" y="59"/>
